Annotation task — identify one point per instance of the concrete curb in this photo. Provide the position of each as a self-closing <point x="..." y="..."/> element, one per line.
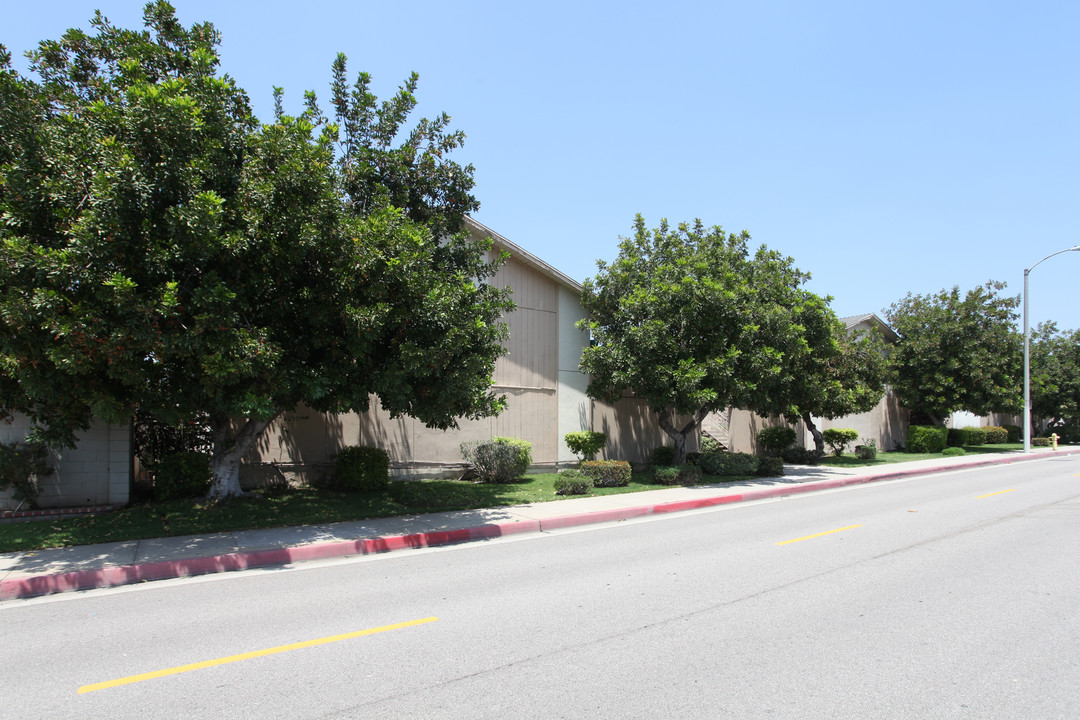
<point x="163" y="570"/>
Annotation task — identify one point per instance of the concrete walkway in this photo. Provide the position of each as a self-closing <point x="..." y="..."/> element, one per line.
<point x="40" y="572"/>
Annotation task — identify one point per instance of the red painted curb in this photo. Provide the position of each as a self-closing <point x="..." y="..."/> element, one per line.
<point x="168" y="569"/>
<point x="163" y="570"/>
<point x="599" y="516"/>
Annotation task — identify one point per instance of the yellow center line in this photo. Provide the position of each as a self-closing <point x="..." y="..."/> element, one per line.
<point x="248" y="656"/>
<point x="817" y="535"/>
<point x="999" y="492"/>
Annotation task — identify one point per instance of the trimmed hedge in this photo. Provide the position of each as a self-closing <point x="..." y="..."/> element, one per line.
<point x="995" y="435"/>
<point x="953" y="451"/>
<point x="607" y="473"/>
<point x="572" y="482"/>
<point x="771" y="467"/>
<point x="1040" y="442"/>
<point x="965" y="436"/>
<point x="729" y="463"/>
<point x="182" y="475"/>
<point x="676" y="475"/>
<point x="800" y="456"/>
<point x="1015" y="433"/>
<point x="359" y="468"/>
<point x="926" y="438"/>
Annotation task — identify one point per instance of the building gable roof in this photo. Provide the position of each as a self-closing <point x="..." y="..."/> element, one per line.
<point x="522" y="255"/>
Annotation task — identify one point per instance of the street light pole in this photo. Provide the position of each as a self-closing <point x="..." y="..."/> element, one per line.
<point x="1027" y="352"/>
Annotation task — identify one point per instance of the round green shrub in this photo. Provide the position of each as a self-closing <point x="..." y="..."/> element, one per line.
<point x="953" y="451"/>
<point x="838" y="438"/>
<point x="571" y="482"/>
<point x="660" y="456"/>
<point x="362" y="469"/>
<point x="771" y="467"/>
<point x="729" y="463"/>
<point x="800" y="456"/>
<point x="926" y="438"/>
<point x="776" y="439"/>
<point x="710" y="444"/>
<point x="498" y="460"/>
<point x="182" y="475"/>
<point x="866" y="452"/>
<point x="585" y="443"/>
<point x="995" y="435"/>
<point x="676" y="475"/>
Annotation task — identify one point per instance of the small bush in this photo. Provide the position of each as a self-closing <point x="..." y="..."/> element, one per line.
<point x="1040" y="442"/>
<point x="838" y="438"/>
<point x="182" y="475"/>
<point x="775" y="439"/>
<point x="728" y="463"/>
<point x="572" y="482"/>
<point x="663" y="455"/>
<point x="21" y="467"/>
<point x="996" y="435"/>
<point x="926" y="438"/>
<point x="868" y="449"/>
<point x="969" y="436"/>
<point x="954" y="451"/>
<point x="499" y="459"/>
<point x="771" y="467"/>
<point x="692" y="458"/>
<point x="607" y="473"/>
<point x="800" y="456"/>
<point x="1015" y="433"/>
<point x="585" y="444"/>
<point x="676" y="475"/>
<point x="710" y="444"/>
<point x="362" y="469"/>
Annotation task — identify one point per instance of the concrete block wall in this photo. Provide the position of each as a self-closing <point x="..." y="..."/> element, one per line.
<point x="96" y="472"/>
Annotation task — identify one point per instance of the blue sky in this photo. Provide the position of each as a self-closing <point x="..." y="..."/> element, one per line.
<point x="887" y="147"/>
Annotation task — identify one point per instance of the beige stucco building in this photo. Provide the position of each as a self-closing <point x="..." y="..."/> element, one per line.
<point x="539" y="375"/>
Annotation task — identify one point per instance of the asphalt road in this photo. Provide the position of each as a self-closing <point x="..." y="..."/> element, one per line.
<point x="947" y="596"/>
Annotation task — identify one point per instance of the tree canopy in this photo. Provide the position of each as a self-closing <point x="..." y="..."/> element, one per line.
<point x="956" y="352"/>
<point x="692" y="323"/>
<point x="840" y="373"/>
<point x="163" y="251"/>
<point x="1055" y="376"/>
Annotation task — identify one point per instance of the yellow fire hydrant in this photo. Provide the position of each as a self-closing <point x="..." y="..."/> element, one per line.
<point x="1053" y="440"/>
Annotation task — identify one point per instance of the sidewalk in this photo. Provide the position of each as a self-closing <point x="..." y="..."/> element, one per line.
<point x="41" y="572"/>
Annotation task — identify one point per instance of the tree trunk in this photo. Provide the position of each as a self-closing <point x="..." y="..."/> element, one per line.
<point x="679" y="436"/>
<point x="819" y="441"/>
<point x="228" y="451"/>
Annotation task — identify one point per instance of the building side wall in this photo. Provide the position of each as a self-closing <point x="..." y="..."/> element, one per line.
<point x="303" y="443"/>
<point x="574" y="405"/>
<point x="96" y="472"/>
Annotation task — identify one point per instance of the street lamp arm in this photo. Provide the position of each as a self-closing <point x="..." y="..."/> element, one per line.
<point x="1074" y="248"/>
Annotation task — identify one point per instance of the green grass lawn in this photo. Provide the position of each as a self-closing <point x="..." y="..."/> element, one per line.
<point x="303" y="506"/>
<point x="884" y="458"/>
<point x="306" y="506"/>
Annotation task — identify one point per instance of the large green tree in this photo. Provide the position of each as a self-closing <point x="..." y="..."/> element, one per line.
<point x="840" y="372"/>
<point x="692" y="322"/>
<point x="956" y="352"/>
<point x="1055" y="376"/>
<point x="164" y="252"/>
